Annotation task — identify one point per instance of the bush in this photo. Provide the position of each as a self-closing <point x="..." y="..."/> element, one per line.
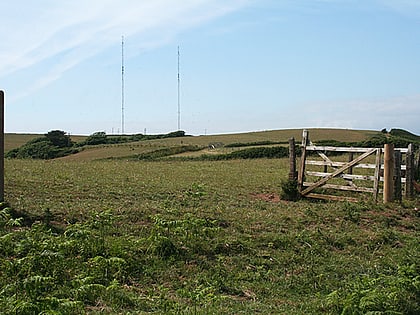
<point x="251" y="153"/>
<point x="59" y="139"/>
<point x="53" y="145"/>
<point x="257" y="153"/>
<point x="290" y="190"/>
<point x="96" y="138"/>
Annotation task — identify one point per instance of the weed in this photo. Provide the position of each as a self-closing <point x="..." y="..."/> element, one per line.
<point x="397" y="293"/>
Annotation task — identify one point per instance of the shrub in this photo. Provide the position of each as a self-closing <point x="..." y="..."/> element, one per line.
<point x="96" y="138"/>
<point x="53" y="145"/>
<point x="250" y="153"/>
<point x="59" y="139"/>
<point x="290" y="190"/>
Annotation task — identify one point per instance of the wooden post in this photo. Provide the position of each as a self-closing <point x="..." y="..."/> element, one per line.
<point x="397" y="176"/>
<point x="325" y="166"/>
<point x="388" y="172"/>
<point x="1" y="146"/>
<point x="409" y="172"/>
<point x="351" y="156"/>
<point x="377" y="174"/>
<point x="292" y="159"/>
<point x="301" y="174"/>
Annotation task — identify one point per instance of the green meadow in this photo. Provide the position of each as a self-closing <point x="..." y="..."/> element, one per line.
<point x="86" y="234"/>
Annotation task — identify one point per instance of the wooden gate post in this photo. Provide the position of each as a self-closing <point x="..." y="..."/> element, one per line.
<point x="409" y="172"/>
<point x="388" y="190"/>
<point x="1" y="146"/>
<point x="292" y="159"/>
<point x="397" y="176"/>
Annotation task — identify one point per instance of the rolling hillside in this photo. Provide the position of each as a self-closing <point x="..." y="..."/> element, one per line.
<point x="126" y="149"/>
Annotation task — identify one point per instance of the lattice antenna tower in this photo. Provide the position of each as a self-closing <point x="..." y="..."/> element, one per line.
<point x="179" y="96"/>
<point x="122" y="84"/>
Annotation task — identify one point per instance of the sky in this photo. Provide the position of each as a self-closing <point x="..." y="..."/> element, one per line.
<point x="244" y="65"/>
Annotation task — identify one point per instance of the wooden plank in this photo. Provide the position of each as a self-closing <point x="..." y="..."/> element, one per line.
<point x="337" y="149"/>
<point x="339" y="171"/>
<point x="344" y="176"/>
<point x="339" y="164"/>
<point x="377" y="174"/>
<point x="342" y="187"/>
<point x="346" y="149"/>
<point x="332" y="198"/>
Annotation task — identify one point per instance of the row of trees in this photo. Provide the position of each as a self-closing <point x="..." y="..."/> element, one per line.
<point x="58" y="143"/>
<point x="102" y="138"/>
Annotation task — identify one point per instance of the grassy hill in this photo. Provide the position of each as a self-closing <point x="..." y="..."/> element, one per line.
<point x="132" y="148"/>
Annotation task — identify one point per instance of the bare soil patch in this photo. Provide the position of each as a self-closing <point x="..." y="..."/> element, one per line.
<point x="269" y="197"/>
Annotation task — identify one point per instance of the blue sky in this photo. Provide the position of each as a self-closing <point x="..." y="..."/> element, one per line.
<point x="245" y="65"/>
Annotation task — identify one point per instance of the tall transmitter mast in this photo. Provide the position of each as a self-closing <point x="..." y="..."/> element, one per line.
<point x="179" y="97"/>
<point x="122" y="84"/>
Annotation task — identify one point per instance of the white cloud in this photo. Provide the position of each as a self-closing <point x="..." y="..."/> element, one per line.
<point x="37" y="32"/>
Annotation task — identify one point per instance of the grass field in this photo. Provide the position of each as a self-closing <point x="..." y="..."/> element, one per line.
<point x="194" y="237"/>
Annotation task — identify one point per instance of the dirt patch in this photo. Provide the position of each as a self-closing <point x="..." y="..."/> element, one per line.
<point x="269" y="197"/>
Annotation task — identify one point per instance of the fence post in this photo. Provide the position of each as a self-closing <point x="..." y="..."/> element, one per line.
<point x="301" y="174"/>
<point x="351" y="157"/>
<point x="1" y="146"/>
<point x="417" y="166"/>
<point x="397" y="175"/>
<point x="409" y="172"/>
<point x="388" y="190"/>
<point x="292" y="159"/>
<point x="377" y="174"/>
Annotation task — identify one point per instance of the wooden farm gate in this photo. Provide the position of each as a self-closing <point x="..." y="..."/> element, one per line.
<point x="374" y="165"/>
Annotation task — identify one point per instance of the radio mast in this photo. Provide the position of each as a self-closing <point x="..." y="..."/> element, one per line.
<point x="122" y="84"/>
<point x="179" y="97"/>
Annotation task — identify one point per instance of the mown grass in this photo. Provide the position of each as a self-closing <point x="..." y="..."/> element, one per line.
<point x="189" y="237"/>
